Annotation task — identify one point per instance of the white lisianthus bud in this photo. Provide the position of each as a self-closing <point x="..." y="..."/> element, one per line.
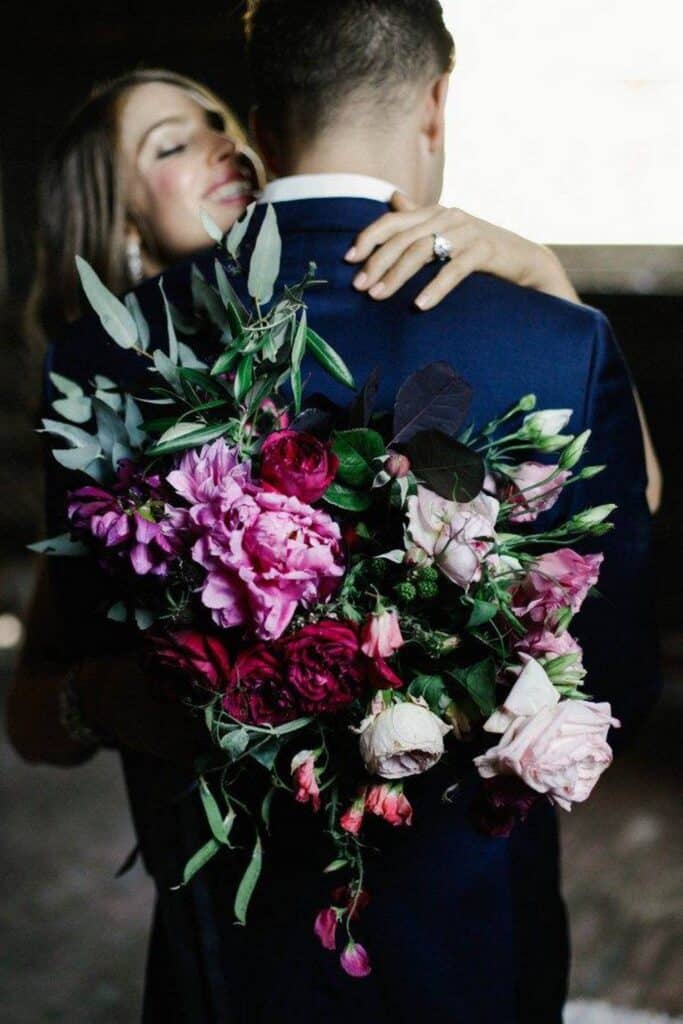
<point x="591" y="517"/>
<point x="546" y="422"/>
<point x="574" y="450"/>
<point x="404" y="739"/>
<point x="527" y="403"/>
<point x="552" y="444"/>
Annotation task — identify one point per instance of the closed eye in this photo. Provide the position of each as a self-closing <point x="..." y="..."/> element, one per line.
<point x="172" y="151"/>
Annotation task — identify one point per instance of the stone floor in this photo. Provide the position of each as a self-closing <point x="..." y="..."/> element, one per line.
<point x="74" y="936"/>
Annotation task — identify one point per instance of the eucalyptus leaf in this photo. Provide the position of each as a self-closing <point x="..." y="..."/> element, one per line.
<point x="330" y="360"/>
<point x="76" y="408"/>
<point x="118" y="612"/>
<point x="111" y="429"/>
<point x="239" y="230"/>
<point x="188" y="359"/>
<point x="206" y="298"/>
<point x="110" y="398"/>
<point x="144" y="618"/>
<point x="77" y="458"/>
<point x="167" y="368"/>
<point x="75" y="435"/>
<point x="264" y="266"/>
<point x="299" y="343"/>
<point x="133" y="420"/>
<point x="68" y="388"/>
<point x="180" y="430"/>
<point x="134" y="308"/>
<point x="297" y="389"/>
<point x="61" y="545"/>
<point x="229" y="295"/>
<point x="114" y="317"/>
<point x="170" y="327"/>
<point x="246" y="887"/>
<point x="434" y="397"/>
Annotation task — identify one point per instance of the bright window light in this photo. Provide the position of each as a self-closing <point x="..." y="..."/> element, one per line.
<point x="565" y="118"/>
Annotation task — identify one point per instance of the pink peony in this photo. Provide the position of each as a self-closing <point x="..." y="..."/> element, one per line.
<point x="303" y="773"/>
<point x="390" y="803"/>
<point x="198" y="656"/>
<point x="381" y="635"/>
<point x="324" y="666"/>
<point x="457" y="536"/>
<point x="264" y="553"/>
<point x="531" y="490"/>
<point x="560" y="579"/>
<point x="355" y="960"/>
<point x="561" y="750"/>
<point x="325" y="927"/>
<point x="297" y="464"/>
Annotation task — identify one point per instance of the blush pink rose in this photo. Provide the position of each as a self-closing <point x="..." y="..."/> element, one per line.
<point x="456" y="536"/>
<point x="557" y="580"/>
<point x="297" y="464"/>
<point x="531" y="491"/>
<point x="305" y="779"/>
<point x="390" y="803"/>
<point x="381" y="635"/>
<point x="560" y="751"/>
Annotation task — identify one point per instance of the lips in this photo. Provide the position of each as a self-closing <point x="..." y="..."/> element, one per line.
<point x="229" y="191"/>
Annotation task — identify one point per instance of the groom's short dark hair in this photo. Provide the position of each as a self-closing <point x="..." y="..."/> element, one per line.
<point x="308" y="56"/>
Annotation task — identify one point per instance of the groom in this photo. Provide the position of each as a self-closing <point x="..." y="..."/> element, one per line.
<point x="350" y="100"/>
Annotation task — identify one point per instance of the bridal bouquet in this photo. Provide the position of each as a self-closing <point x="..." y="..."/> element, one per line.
<point x="342" y="593"/>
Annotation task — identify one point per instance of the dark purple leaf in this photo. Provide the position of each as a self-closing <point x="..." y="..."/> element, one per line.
<point x="363" y="404"/>
<point x="434" y="397"/>
<point x="446" y="466"/>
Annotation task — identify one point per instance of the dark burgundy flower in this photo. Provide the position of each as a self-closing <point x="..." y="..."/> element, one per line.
<point x="257" y="692"/>
<point x="297" y="464"/>
<point x="199" y="657"/>
<point x="325" y="667"/>
<point x="501" y="803"/>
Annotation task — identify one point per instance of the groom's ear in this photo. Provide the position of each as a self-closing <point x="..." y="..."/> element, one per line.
<point x="434" y="113"/>
<point x="266" y="142"/>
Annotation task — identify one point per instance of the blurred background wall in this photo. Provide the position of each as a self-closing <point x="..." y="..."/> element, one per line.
<point x="75" y="936"/>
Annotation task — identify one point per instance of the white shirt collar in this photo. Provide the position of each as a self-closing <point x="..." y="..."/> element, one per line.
<point x="327" y="186"/>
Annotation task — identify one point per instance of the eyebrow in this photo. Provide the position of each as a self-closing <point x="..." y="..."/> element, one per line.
<point x="165" y="120"/>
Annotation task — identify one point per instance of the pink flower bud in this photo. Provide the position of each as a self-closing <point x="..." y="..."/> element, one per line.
<point x="397" y="465"/>
<point x="303" y="773"/>
<point x="381" y="635"/>
<point x="390" y="803"/>
<point x="355" y="960"/>
<point x="352" y="819"/>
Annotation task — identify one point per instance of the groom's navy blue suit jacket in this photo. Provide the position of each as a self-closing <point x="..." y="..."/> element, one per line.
<point x="459" y="924"/>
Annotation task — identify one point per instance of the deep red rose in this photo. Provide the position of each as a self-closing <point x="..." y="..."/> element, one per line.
<point x="256" y="691"/>
<point x="382" y="675"/>
<point x="297" y="464"/>
<point x="325" y="666"/>
<point x="501" y="803"/>
<point x="200" y="657"/>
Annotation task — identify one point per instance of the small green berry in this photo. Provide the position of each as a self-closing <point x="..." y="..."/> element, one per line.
<point x="427" y="589"/>
<point x="405" y="592"/>
<point x="429" y="572"/>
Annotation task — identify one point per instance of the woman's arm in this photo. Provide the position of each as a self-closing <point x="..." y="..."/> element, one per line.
<point x="397" y="245"/>
<point x="114" y="693"/>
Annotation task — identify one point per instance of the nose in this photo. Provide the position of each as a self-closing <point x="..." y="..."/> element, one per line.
<point x="221" y="148"/>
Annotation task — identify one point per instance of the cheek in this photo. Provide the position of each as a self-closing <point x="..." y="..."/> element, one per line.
<point x="172" y="210"/>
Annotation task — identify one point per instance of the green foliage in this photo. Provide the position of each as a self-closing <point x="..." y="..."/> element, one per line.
<point x="246" y="887"/>
<point x="265" y="260"/>
<point x="479" y="680"/>
<point x="114" y="317"/>
<point x="356" y="451"/>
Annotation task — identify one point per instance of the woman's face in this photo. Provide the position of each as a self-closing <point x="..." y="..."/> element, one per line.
<point x="177" y="161"/>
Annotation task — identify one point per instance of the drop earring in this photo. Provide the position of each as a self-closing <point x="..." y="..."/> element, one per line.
<point x="134" y="262"/>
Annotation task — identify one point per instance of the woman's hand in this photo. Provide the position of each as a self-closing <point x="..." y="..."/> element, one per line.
<point x="397" y="245"/>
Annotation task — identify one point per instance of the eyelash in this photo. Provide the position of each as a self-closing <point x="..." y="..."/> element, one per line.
<point x="170" y="152"/>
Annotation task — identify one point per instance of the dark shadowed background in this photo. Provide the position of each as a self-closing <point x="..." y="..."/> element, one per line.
<point x="74" y="936"/>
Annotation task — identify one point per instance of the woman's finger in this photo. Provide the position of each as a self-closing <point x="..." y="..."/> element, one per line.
<point x="415" y="256"/>
<point x="384" y="228"/>
<point x="453" y="273"/>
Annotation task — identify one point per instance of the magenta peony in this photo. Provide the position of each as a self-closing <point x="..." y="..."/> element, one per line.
<point x="132" y="522"/>
<point x="297" y="464"/>
<point x="532" y="491"/>
<point x="560" y="579"/>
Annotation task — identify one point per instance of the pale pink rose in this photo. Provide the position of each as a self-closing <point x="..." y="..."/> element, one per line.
<point x="532" y="491"/>
<point x="381" y="635"/>
<point x="456" y="535"/>
<point x="404" y="739"/>
<point x="532" y="692"/>
<point x="390" y="803"/>
<point x="560" y="751"/>
<point x="355" y="960"/>
<point x="303" y="773"/>
<point x="325" y="927"/>
<point x="557" y="580"/>
<point x="352" y="819"/>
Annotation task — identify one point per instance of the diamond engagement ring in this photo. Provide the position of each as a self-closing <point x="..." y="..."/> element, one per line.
<point x="442" y="248"/>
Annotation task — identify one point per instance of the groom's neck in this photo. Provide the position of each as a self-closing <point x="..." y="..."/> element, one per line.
<point x="384" y="158"/>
